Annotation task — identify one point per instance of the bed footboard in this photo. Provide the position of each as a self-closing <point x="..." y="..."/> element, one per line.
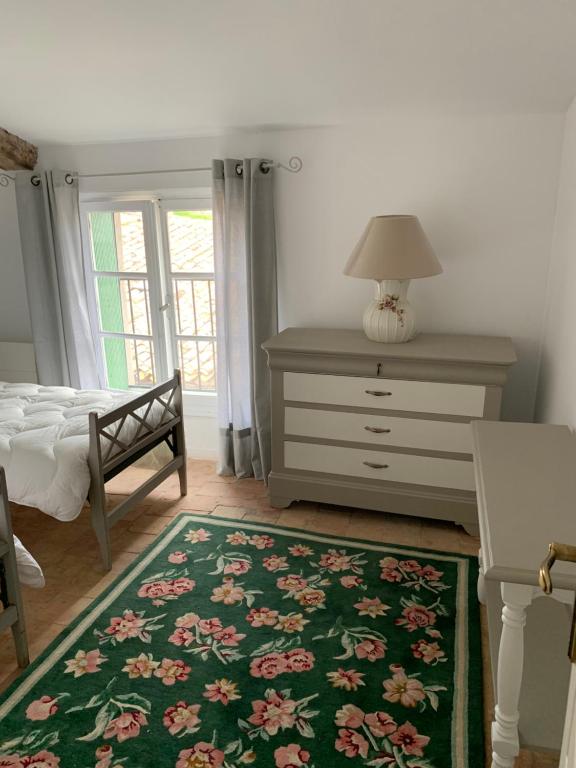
<point x="122" y="436"/>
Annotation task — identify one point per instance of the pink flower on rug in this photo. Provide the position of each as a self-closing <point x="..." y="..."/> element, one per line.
<point x="126" y="626"/>
<point x="85" y="663"/>
<point x="181" y="585"/>
<point x="269" y="666"/>
<point x="310" y="598"/>
<point x="410" y="740"/>
<point x="430" y="653"/>
<point x="170" y="671"/>
<point x="292" y="582"/>
<point x="350" y="581"/>
<point x="430" y="573"/>
<point x="222" y="690"/>
<point x="371" y="650"/>
<point x="181" y="717"/>
<point x="348" y="679"/>
<point x="349" y="716"/>
<point x="416" y="616"/>
<point x="177" y="557"/>
<point x="104" y="752"/>
<point x="239" y="537"/>
<point x="261" y="541"/>
<point x="401" y="689"/>
<point x="188" y="620"/>
<point x="237" y="567"/>
<point x="351" y="743"/>
<point x="142" y="665"/>
<point x="228" y="636"/>
<point x="42" y="759"/>
<point x="409" y="565"/>
<point x="181" y="637"/>
<point x="274" y="713"/>
<point x="388" y="562"/>
<point x="380" y="724"/>
<point x="209" y="626"/>
<point x="10" y="761"/>
<point x="292" y="622"/>
<point x="202" y="755"/>
<point x="372" y="607"/>
<point x="299" y="660"/>
<point x="193" y="537"/>
<point x="275" y="563"/>
<point x="389" y="575"/>
<point x="262" y="617"/>
<point x="125" y="726"/>
<point x="335" y="560"/>
<point x="42" y="708"/>
<point x="300" y="550"/>
<point x="154" y="589"/>
<point x="228" y="593"/>
<point x="291" y="756"/>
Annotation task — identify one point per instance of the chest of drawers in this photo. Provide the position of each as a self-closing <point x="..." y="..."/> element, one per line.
<point x="381" y="426"/>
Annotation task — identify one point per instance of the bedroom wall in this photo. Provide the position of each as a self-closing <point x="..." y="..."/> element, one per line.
<point x="557" y="390"/>
<point x="484" y="187"/>
<point x="14" y="315"/>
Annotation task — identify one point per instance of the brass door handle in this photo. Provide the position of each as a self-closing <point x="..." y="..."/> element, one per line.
<point x="563" y="552"/>
<point x="378" y="430"/>
<point x="566" y="553"/>
<point x="377" y="393"/>
<point x="375" y="466"/>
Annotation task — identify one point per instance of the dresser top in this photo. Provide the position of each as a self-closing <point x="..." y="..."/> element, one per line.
<point x="489" y="350"/>
<point x="526" y="488"/>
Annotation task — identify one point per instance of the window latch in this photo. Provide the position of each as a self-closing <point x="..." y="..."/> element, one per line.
<point x="165" y="307"/>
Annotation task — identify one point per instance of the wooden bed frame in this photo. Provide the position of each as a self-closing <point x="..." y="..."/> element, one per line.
<point x="109" y="454"/>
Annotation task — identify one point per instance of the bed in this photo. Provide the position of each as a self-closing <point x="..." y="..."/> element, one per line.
<point x="59" y="446"/>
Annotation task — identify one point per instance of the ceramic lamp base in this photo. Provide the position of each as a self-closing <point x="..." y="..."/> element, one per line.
<point x="389" y="318"/>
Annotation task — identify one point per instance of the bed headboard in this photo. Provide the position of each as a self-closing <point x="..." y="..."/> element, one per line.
<point x="17" y="362"/>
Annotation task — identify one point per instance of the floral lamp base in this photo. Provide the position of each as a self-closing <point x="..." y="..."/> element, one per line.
<point x="389" y="318"/>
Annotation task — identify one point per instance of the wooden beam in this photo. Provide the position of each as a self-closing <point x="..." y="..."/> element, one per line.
<point x="16" y="154"/>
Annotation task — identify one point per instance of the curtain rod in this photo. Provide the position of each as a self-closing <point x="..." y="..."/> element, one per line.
<point x="294" y="166"/>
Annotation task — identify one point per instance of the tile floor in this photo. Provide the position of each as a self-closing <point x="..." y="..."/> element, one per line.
<point x="69" y="555"/>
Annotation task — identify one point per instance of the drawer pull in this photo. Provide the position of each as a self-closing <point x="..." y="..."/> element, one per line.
<point x="377" y="393"/>
<point x="375" y="466"/>
<point x="378" y="430"/>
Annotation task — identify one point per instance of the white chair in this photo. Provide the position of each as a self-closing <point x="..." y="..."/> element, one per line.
<point x="13" y="614"/>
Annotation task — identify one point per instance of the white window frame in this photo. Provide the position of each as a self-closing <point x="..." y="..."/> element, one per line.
<point x="159" y="275"/>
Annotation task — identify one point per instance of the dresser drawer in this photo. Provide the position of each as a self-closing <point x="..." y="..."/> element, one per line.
<point x="377" y="465"/>
<point x="426" y="434"/>
<point x="385" y="394"/>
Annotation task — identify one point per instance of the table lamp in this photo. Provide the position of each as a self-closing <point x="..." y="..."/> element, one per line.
<point x="393" y="250"/>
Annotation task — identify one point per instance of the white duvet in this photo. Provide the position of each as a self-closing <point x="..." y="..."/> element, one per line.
<point x="44" y="444"/>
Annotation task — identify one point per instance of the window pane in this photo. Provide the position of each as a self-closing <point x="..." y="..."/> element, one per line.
<point x="195" y="307"/>
<point x="190" y="241"/>
<point x="129" y="362"/>
<point x="124" y="305"/>
<point x="118" y="241"/>
<point x="198" y="364"/>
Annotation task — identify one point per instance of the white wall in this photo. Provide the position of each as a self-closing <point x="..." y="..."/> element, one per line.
<point x="557" y="391"/>
<point x="14" y="317"/>
<point x="484" y="187"/>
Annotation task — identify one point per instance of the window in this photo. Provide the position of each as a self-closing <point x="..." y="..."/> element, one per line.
<point x="151" y="291"/>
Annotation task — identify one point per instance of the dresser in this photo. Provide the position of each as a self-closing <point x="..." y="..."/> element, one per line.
<point x="381" y="426"/>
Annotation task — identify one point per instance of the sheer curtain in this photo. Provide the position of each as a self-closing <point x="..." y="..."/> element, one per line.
<point x="49" y="220"/>
<point x="246" y="311"/>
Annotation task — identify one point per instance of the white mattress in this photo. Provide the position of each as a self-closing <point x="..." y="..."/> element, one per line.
<point x="44" y="443"/>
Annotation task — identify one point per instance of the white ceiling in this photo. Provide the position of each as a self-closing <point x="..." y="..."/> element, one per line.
<point x="76" y="71"/>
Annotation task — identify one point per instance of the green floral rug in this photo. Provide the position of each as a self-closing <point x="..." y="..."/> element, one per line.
<point x="229" y="644"/>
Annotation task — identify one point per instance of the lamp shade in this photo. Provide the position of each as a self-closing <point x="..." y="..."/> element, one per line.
<point x="393" y="248"/>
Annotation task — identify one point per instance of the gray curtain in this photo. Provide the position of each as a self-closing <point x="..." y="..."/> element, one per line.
<point x="49" y="219"/>
<point x="246" y="312"/>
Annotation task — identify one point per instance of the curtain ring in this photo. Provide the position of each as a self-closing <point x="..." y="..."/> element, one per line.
<point x="69" y="179"/>
<point x="265" y="166"/>
<point x="239" y="169"/>
<point x="35" y="180"/>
